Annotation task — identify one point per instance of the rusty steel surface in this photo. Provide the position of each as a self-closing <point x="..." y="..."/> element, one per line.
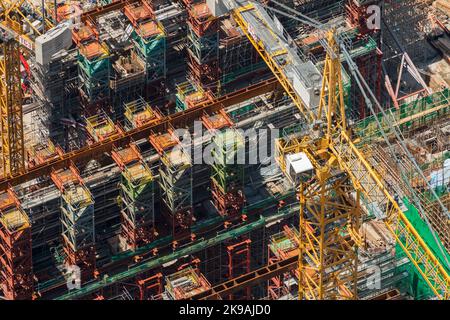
<point x="249" y="279"/>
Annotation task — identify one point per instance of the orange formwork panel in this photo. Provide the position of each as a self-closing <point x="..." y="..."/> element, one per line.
<point x="68" y="11"/>
<point x="43" y="152"/>
<point x="196" y="98"/>
<point x="137" y="13"/>
<point x="201" y="20"/>
<point x="149" y="29"/>
<point x="84" y="33"/>
<point x="92" y="50"/>
<point x="126" y="156"/>
<point x="163" y="141"/>
<point x="64" y="177"/>
<point x="217" y="121"/>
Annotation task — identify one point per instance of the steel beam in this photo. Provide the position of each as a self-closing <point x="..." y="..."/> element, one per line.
<point x="249" y="279"/>
<point x="121" y="139"/>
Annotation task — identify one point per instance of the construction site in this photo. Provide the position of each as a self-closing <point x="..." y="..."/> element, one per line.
<point x="225" y="150"/>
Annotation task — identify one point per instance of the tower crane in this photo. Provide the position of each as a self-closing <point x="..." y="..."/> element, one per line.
<point x="11" y="114"/>
<point x="13" y="152"/>
<point x="343" y="174"/>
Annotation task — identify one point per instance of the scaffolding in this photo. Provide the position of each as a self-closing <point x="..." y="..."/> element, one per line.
<point x="282" y="246"/>
<point x="77" y="219"/>
<point x="238" y="58"/>
<point x="357" y="15"/>
<point x="203" y="45"/>
<point x="149" y="40"/>
<point x="139" y="113"/>
<point x="190" y="95"/>
<point x="128" y="81"/>
<point x="43" y="152"/>
<point x="411" y="21"/>
<point x="94" y="72"/>
<point x="176" y="188"/>
<point x="136" y="198"/>
<point x="227" y="169"/>
<point x="408" y="117"/>
<point x="100" y="127"/>
<point x="57" y="87"/>
<point x="176" y="181"/>
<point x="16" y="266"/>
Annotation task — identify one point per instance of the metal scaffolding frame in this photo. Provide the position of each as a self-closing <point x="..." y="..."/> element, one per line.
<point x="136" y="197"/>
<point x="16" y="265"/>
<point x="77" y="219"/>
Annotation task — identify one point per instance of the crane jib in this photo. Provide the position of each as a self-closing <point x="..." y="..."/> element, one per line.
<point x="363" y="175"/>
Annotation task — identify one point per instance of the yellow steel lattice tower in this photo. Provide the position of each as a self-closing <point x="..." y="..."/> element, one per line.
<point x="13" y="153"/>
<point x="329" y="205"/>
<point x="328" y="258"/>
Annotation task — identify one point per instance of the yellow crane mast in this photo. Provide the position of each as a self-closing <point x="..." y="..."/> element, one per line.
<point x="330" y="211"/>
<point x="330" y="216"/>
<point x="11" y="117"/>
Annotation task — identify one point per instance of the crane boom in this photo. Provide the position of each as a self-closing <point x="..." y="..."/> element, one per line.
<point x="350" y="158"/>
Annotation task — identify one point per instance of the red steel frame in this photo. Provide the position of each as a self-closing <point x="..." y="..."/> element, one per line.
<point x="150" y="287"/>
<point x="239" y="264"/>
<point x="16" y="266"/>
<point x="366" y="65"/>
<point x="228" y="204"/>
